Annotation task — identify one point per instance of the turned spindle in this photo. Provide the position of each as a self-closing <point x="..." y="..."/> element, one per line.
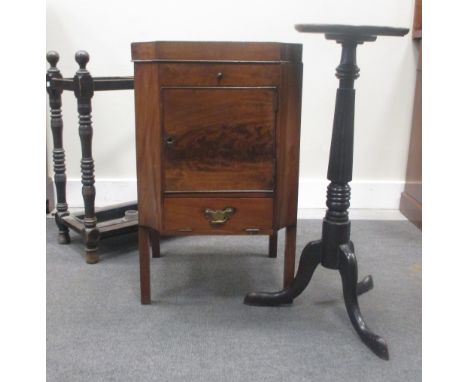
<point x="84" y="90"/>
<point x="58" y="153"/>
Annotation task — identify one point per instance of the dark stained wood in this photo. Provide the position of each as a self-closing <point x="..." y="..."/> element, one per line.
<point x="186" y="216"/>
<point x="110" y="221"/>
<point x="351" y="32"/>
<point x="84" y="91"/>
<point x="99" y="83"/>
<point x="155" y="243"/>
<point x="143" y="249"/>
<point x="289" y="255"/>
<point x="58" y="153"/>
<point x="220" y="139"/>
<point x="210" y="74"/>
<point x="217" y="134"/>
<point x="335" y="250"/>
<point x="216" y="51"/>
<point x="273" y="245"/>
<point x="108" y="228"/>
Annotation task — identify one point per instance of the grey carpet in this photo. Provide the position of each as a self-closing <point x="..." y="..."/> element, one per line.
<point x="197" y="328"/>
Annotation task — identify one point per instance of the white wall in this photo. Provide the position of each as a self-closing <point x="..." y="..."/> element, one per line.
<point x="384" y="91"/>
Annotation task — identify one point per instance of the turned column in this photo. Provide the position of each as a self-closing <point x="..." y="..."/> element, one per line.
<point x="58" y="153"/>
<point x="84" y="90"/>
<point x="336" y="225"/>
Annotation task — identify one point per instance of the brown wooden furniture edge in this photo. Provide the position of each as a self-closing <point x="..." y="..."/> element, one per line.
<point x="411" y="209"/>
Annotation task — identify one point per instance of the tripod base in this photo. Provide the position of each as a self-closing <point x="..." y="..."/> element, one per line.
<point x="311" y="257"/>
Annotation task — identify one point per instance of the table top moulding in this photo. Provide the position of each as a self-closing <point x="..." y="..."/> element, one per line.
<point x="216" y="51"/>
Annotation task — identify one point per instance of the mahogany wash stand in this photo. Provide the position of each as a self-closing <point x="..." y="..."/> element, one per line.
<point x="217" y="143"/>
<point x="335" y="250"/>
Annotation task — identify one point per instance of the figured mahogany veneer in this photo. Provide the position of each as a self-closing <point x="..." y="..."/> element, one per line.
<point x="217" y="136"/>
<point x="223" y="140"/>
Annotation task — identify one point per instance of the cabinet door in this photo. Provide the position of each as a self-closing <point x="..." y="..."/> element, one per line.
<point x="218" y="139"/>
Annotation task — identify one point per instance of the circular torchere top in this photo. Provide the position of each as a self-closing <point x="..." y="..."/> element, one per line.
<point x="351" y="32"/>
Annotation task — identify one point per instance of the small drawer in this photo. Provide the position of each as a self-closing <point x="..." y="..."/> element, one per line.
<point x="185" y="216"/>
<point x="219" y="74"/>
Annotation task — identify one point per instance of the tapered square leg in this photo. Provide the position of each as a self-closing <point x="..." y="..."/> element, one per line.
<point x="273" y="244"/>
<point x="145" y="278"/>
<point x="289" y="256"/>
<point x="155" y="243"/>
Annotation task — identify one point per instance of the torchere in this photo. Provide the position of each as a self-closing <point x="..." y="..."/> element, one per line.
<point x="335" y="250"/>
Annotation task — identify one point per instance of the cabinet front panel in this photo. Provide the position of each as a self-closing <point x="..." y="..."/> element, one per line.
<point x="218" y="139"/>
<point x="217" y="215"/>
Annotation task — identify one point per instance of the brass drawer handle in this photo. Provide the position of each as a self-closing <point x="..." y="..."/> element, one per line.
<point x="219" y="217"/>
